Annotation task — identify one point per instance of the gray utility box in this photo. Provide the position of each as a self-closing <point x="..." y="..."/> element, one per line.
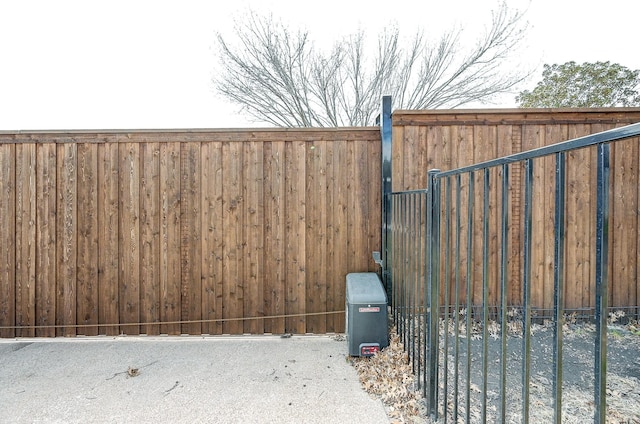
<point x="366" y="314"/>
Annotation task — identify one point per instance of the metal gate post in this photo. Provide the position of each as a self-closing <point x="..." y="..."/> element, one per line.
<point x="385" y="136"/>
<point x="433" y="285"/>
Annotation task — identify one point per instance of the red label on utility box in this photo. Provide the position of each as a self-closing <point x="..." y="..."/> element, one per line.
<point x="369" y="309"/>
<point x="369" y="350"/>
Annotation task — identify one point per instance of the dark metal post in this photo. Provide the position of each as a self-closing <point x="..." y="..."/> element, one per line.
<point x="385" y="136"/>
<point x="558" y="285"/>
<point x="469" y="281"/>
<point x="485" y="293"/>
<point x="526" y="324"/>
<point x="602" y="247"/>
<point x="504" y="264"/>
<point x="456" y="363"/>
<point x="433" y="282"/>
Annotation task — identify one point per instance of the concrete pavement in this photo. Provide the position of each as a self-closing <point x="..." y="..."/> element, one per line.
<point x="189" y="379"/>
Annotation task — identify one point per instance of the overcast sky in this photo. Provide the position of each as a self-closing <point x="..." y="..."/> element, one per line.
<point x="148" y="64"/>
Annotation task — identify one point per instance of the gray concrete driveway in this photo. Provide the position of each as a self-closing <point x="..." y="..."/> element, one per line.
<point x="245" y="379"/>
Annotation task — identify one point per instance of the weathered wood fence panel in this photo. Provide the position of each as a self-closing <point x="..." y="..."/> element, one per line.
<point x="169" y="232"/>
<point x="452" y="139"/>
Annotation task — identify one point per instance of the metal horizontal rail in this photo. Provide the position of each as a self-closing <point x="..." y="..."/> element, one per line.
<point x="615" y="134"/>
<point x="418" y="191"/>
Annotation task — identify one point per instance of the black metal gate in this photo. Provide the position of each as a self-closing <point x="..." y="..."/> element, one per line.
<point x="473" y="362"/>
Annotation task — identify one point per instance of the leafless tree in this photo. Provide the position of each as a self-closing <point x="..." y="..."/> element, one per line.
<point x="278" y="76"/>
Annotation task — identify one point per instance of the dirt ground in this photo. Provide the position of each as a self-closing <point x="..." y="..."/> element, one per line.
<point x="389" y="377"/>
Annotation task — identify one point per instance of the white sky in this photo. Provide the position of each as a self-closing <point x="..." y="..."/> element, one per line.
<point x="148" y="64"/>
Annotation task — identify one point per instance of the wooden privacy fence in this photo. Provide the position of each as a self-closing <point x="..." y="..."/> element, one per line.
<point x="451" y="139"/>
<point x="174" y="231"/>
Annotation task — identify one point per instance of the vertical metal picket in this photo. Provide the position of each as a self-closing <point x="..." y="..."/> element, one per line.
<point x="468" y="287"/>
<point x="485" y="293"/>
<point x="526" y="282"/>
<point x="602" y="248"/>
<point x="558" y="284"/>
<point x="504" y="261"/>
<point x="433" y="288"/>
<point x="417" y="366"/>
<point x="456" y="365"/>
<point x="447" y="264"/>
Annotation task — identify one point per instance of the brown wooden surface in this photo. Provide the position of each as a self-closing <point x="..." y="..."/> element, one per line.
<point x="143" y="227"/>
<point x="170" y="271"/>
<point x="121" y="227"/>
<point x="66" y="237"/>
<point x="25" y="237"/>
<point x="150" y="237"/>
<point x="108" y="236"/>
<point x="7" y="239"/>
<point x="295" y="224"/>
<point x="478" y="135"/>
<point x="87" y="256"/>
<point x="190" y="236"/>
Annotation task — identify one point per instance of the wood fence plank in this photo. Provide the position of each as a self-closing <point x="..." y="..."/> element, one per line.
<point x="129" y="237"/>
<point x="624" y="222"/>
<point x="462" y="149"/>
<point x="67" y="239"/>
<point x="554" y="134"/>
<point x="338" y="236"/>
<point x="190" y="235"/>
<point x="170" y="271"/>
<point x="504" y="137"/>
<point x="481" y="153"/>
<point x="579" y="188"/>
<point x="374" y="197"/>
<point x="25" y="264"/>
<point x="87" y="256"/>
<point x="46" y="239"/>
<point x="233" y="290"/>
<point x="333" y="277"/>
<point x="532" y="139"/>
<point x="295" y="217"/>
<point x="397" y="158"/>
<point x="316" y="236"/>
<point x="212" y="239"/>
<point x="412" y="176"/>
<point x="253" y="219"/>
<point x="353" y="221"/>
<point x="274" y="234"/>
<point x="108" y="235"/>
<point x="8" y="239"/>
<point x="494" y="212"/>
<point x="435" y="140"/>
<point x="514" y="294"/>
<point x="150" y="237"/>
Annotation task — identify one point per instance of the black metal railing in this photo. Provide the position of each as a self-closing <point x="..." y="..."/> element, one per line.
<point x="441" y="240"/>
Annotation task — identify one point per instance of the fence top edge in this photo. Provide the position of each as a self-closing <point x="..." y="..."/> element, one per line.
<point x="516" y="116"/>
<point x="186" y="135"/>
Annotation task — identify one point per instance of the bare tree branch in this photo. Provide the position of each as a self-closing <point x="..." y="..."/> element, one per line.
<point x="278" y="76"/>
